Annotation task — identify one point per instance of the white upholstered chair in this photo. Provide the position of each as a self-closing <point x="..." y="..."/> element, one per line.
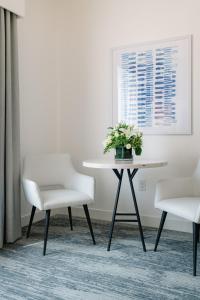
<point x="181" y="197"/>
<point x="50" y="181"/>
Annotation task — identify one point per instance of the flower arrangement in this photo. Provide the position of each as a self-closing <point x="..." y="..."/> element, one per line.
<point x="124" y="137"/>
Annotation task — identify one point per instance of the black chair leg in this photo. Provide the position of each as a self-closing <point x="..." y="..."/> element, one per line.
<point x="46" y="230"/>
<point x="89" y="222"/>
<point x="195" y="238"/>
<point x="198" y="232"/>
<point x="31" y="221"/>
<point x="162" y="221"/>
<point x="70" y="217"/>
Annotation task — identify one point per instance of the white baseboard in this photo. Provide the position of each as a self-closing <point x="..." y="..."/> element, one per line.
<point x="105" y="215"/>
<point x="39" y="215"/>
<point x="149" y="221"/>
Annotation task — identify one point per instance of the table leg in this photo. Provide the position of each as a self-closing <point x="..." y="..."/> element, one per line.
<point x="136" y="214"/>
<point x="130" y="176"/>
<point x="120" y="176"/>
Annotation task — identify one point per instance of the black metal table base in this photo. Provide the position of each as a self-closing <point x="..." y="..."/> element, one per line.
<point x="136" y="214"/>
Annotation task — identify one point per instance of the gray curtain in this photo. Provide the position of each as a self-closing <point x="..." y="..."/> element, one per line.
<point x="10" y="224"/>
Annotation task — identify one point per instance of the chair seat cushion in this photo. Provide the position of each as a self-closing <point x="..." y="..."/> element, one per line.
<point x="59" y="198"/>
<point x="183" y="207"/>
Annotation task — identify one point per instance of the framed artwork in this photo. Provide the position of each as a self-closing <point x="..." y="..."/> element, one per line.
<point x="152" y="86"/>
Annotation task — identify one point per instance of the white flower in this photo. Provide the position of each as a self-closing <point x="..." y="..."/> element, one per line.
<point x="128" y="133"/>
<point x="109" y="139"/>
<point x="116" y="134"/>
<point x="136" y="130"/>
<point x="128" y="146"/>
<point x="104" y="143"/>
<point x="123" y="130"/>
<point x="131" y="127"/>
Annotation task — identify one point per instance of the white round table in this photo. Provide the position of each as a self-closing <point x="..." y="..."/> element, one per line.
<point x="132" y="168"/>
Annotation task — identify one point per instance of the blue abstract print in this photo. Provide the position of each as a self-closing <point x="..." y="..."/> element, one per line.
<point x="147" y="87"/>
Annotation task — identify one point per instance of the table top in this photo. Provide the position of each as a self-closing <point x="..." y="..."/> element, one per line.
<point x="113" y="164"/>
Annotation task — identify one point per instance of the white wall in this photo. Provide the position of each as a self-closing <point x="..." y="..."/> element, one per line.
<point x="16" y="6"/>
<point x="38" y="80"/>
<point x="66" y="86"/>
<point x="86" y="89"/>
<point x="70" y="58"/>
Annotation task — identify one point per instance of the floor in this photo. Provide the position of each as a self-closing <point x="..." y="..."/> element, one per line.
<point x="75" y="269"/>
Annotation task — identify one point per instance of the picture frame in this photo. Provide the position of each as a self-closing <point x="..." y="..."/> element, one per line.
<point x="152" y="86"/>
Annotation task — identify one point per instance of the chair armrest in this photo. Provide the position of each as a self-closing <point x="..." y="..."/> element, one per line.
<point x="83" y="183"/>
<point x="174" y="188"/>
<point x="32" y="193"/>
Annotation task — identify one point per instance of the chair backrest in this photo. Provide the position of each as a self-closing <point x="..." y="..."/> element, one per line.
<point x="48" y="169"/>
<point x="196" y="180"/>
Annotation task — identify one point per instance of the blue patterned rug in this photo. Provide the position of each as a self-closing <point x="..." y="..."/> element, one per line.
<point x="75" y="269"/>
